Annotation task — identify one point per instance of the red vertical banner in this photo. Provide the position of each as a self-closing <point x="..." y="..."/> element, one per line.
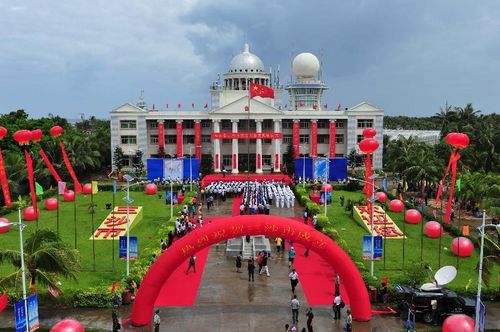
<point x="333" y="138"/>
<point x="455" y="156"/>
<point x="235" y="161"/>
<point x="161" y="135"/>
<point x="4" y="182"/>
<point x="31" y="178"/>
<point x="197" y="140"/>
<point x="216" y="161"/>
<point x="49" y="166"/>
<point x="259" y="162"/>
<point x="276" y="162"/>
<point x="314" y="138"/>
<point x="179" y="139"/>
<point x="78" y="186"/>
<point x="296" y="137"/>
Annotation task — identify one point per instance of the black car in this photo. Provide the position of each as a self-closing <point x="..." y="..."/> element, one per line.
<point x="419" y="301"/>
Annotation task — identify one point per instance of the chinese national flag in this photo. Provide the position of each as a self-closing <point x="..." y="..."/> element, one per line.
<point x="315" y="107"/>
<point x="206" y="106"/>
<point x="260" y="91"/>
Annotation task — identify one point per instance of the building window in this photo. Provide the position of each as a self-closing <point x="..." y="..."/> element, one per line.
<point x="206" y="139"/>
<point x="170" y="124"/>
<point x="267" y="124"/>
<point x="129" y="139"/>
<point x="340" y="124"/>
<point x="127" y="161"/>
<point x="287" y="139"/>
<point x="339" y="138"/>
<point x="323" y="139"/>
<point x="188" y="124"/>
<point x="267" y="141"/>
<point x="304" y="124"/>
<point x="266" y="160"/>
<point x="304" y="139"/>
<point x="287" y="124"/>
<point x="365" y="123"/>
<point x="227" y="160"/>
<point x="153" y="125"/>
<point x="339" y="155"/>
<point x="323" y="124"/>
<point x="153" y="139"/>
<point x="171" y="139"/>
<point x="128" y="124"/>
<point x="227" y="141"/>
<point x="188" y="139"/>
<point x="206" y="124"/>
<point x="226" y="125"/>
<point x="360" y="138"/>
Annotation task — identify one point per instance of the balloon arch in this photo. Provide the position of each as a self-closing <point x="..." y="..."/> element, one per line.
<point x="231" y="227"/>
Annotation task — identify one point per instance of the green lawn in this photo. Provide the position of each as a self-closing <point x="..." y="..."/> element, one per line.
<point x="155" y="212"/>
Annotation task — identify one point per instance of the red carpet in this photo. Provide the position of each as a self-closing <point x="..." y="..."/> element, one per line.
<point x="236" y="205"/>
<point x="243" y="177"/>
<point x="316" y="276"/>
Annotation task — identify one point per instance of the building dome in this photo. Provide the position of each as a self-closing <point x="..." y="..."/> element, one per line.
<point x="246" y="62"/>
<point x="305" y="65"/>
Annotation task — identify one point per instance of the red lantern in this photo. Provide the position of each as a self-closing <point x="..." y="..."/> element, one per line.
<point x="433" y="229"/>
<point x="457" y="140"/>
<point x="51" y="204"/>
<point x="396" y="205"/>
<point x="37" y="135"/>
<point x="369" y="133"/>
<point x="23" y="136"/>
<point x="68" y="325"/>
<point x="462" y="323"/>
<point x="326" y="187"/>
<point x="29" y="213"/>
<point x="151" y="189"/>
<point x="368" y="145"/>
<point x="412" y="216"/>
<point x="4" y="225"/>
<point x="381" y="196"/>
<point x="87" y="188"/>
<point x="69" y="196"/>
<point x="3" y="133"/>
<point x="462" y="246"/>
<point x="56" y="131"/>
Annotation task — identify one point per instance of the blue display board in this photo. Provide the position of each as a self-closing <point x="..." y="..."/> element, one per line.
<point x="154" y="168"/>
<point x="123" y="247"/>
<point x="188" y="164"/>
<point x="320" y="168"/>
<point x="160" y="169"/>
<point x="316" y="167"/>
<point x="20" y="314"/>
<point x="338" y="169"/>
<point x="378" y="243"/>
<point x="33" y="313"/>
<point x="300" y="164"/>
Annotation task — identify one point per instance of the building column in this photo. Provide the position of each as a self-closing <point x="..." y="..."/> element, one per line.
<point x="217" y="156"/>
<point x="258" y="146"/>
<point x="333" y="138"/>
<point x="197" y="139"/>
<point x="296" y="137"/>
<point x="179" y="139"/>
<point x="277" y="147"/>
<point x="235" y="147"/>
<point x="314" y="138"/>
<point x="161" y="138"/>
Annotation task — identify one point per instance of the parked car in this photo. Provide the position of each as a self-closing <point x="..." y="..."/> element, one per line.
<point x="419" y="301"/>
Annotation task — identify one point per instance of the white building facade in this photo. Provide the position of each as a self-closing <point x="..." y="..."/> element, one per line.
<point x="256" y="139"/>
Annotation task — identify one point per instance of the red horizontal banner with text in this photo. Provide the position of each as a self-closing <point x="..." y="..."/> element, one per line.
<point x="265" y="135"/>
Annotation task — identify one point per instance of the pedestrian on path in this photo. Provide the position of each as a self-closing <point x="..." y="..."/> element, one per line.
<point x="295" y="309"/>
<point x="310" y="316"/>
<point x="279" y="242"/>
<point x="239" y="260"/>
<point x="348" y="321"/>
<point x="251" y="269"/>
<point x="291" y="257"/>
<point x="294" y="279"/>
<point x="265" y="268"/>
<point x="156" y="320"/>
<point x="337" y="305"/>
<point x="192" y="264"/>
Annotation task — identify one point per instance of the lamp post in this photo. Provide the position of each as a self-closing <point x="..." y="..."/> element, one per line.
<point x="327" y="181"/>
<point x="127" y="199"/>
<point x="190" y="169"/>
<point x="480" y="272"/>
<point x="302" y="147"/>
<point x="171" y="189"/>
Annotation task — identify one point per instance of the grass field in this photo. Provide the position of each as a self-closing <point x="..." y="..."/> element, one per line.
<point x="155" y="212"/>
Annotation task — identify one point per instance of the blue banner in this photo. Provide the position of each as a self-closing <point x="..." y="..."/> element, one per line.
<point x="123" y="247"/>
<point x="115" y="185"/>
<point x="33" y="313"/>
<point x="378" y="245"/>
<point x="20" y="314"/>
<point x="320" y="168"/>
<point x="167" y="197"/>
<point x="328" y="197"/>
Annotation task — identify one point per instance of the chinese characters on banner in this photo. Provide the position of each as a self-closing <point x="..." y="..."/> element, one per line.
<point x="115" y="224"/>
<point x="381" y="222"/>
<point x="263" y="135"/>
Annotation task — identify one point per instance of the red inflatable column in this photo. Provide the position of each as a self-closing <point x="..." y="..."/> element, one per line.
<point x="314" y="138"/>
<point x="333" y="139"/>
<point x="197" y="139"/>
<point x="179" y="139"/>
<point x="296" y="137"/>
<point x="161" y="136"/>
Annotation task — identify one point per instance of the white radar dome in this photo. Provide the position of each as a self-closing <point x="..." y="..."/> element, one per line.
<point x="305" y="65"/>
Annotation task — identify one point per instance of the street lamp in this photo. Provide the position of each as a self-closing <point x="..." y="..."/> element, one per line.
<point x="327" y="180"/>
<point x="303" y="165"/>
<point x="127" y="199"/>
<point x="171" y="189"/>
<point x="480" y="272"/>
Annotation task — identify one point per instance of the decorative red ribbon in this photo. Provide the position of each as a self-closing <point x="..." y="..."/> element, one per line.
<point x="49" y="166"/>
<point x="31" y="178"/>
<point x="5" y="183"/>
<point x="368" y="185"/>
<point x="452" y="164"/>
<point x="78" y="186"/>
<point x="161" y="135"/>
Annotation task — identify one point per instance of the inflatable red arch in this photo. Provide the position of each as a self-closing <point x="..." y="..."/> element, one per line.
<point x="231" y="227"/>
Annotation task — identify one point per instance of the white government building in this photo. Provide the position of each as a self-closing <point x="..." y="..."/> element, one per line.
<point x="304" y="121"/>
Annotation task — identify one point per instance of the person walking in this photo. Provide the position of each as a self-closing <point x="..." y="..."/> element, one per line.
<point x="337" y="303"/>
<point x="294" y="279"/>
<point x="309" y="322"/>
<point x="192" y="264"/>
<point x="279" y="242"/>
<point x="156" y="320"/>
<point x="348" y="321"/>
<point x="291" y="257"/>
<point x="239" y="260"/>
<point x="260" y="258"/>
<point x="114" y="317"/>
<point x="295" y="305"/>
<point x="265" y="268"/>
<point x="251" y="269"/>
<point x="306" y="216"/>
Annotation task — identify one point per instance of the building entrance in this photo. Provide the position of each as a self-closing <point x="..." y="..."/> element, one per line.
<point x="243" y="162"/>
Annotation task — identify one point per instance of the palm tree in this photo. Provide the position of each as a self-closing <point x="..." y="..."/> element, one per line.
<point x="446" y="117"/>
<point x="46" y="258"/>
<point x="422" y="165"/>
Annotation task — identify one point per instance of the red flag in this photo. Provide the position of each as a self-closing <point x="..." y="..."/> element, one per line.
<point x="192" y="105"/>
<point x="257" y="90"/>
<point x="4" y="183"/>
<point x="78" y="186"/>
<point x="339" y="106"/>
<point x="179" y="105"/>
<point x="315" y="107"/>
<point x="301" y="105"/>
<point x="52" y="291"/>
<point x="153" y="107"/>
<point x="114" y="286"/>
<point x="286" y="105"/>
<point x="325" y="106"/>
<point x="31" y="178"/>
<point x="206" y="106"/>
<point x="4" y="300"/>
<point x="167" y="106"/>
<point x="49" y="166"/>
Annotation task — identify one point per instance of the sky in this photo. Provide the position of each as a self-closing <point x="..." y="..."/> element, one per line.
<point x="406" y="57"/>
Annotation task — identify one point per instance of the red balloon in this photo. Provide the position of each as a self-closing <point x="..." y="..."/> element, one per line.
<point x="466" y="246"/>
<point x="37" y="135"/>
<point x="68" y="325"/>
<point x="457" y="140"/>
<point x="3" y="133"/>
<point x="412" y="216"/>
<point x="87" y="188"/>
<point x="51" y="204"/>
<point x="458" y="323"/>
<point x="151" y="189"/>
<point x="69" y="196"/>
<point x="23" y="136"/>
<point x="326" y="187"/>
<point x="381" y="196"/>
<point x="29" y="213"/>
<point x="368" y="145"/>
<point x="56" y="131"/>
<point x="4" y="225"/>
<point x="433" y="229"/>
<point x="369" y="133"/>
<point x="396" y="205"/>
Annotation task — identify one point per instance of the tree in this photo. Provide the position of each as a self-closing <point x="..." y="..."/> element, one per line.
<point x="207" y="165"/>
<point x="118" y="158"/>
<point x="354" y="159"/>
<point x="137" y="163"/>
<point x="46" y="257"/>
<point x="289" y="160"/>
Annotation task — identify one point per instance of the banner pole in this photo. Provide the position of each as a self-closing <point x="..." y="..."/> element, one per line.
<point x="113" y="228"/>
<point x="74" y="217"/>
<point x="92" y="218"/>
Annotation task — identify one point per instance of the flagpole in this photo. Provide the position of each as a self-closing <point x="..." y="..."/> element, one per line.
<point x="92" y="218"/>
<point x="113" y="228"/>
<point x="404" y="233"/>
<point x="74" y="213"/>
<point x="440" y="236"/>
<point x="459" y="230"/>
<point x="422" y="235"/>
